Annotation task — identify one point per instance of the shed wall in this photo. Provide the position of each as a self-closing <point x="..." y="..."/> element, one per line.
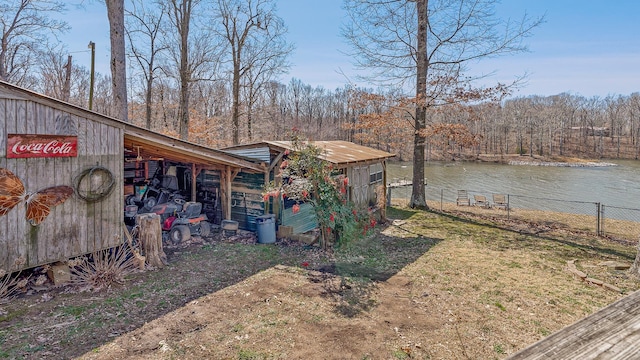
<point x="246" y="199"/>
<point x="76" y="227"/>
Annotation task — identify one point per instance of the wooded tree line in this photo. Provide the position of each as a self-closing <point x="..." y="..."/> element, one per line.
<point x="209" y="72"/>
<point x="566" y="125"/>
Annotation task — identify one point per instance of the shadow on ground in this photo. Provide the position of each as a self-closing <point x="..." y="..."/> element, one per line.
<point x="86" y="320"/>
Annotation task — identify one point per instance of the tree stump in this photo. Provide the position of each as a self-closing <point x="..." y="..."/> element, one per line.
<point x="151" y="239"/>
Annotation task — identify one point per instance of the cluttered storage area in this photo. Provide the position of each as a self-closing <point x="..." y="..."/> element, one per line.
<point x="194" y="189"/>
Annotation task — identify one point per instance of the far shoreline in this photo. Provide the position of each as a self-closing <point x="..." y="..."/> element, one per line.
<point x="542" y="161"/>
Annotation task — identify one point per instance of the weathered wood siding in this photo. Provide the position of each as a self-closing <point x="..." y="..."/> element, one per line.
<point x="76" y="227"/>
<point x="364" y="181"/>
<point x="359" y="183"/>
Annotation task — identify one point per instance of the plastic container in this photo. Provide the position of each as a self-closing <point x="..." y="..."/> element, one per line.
<point x="266" y="228"/>
<point x="139" y="191"/>
<point x="229" y="227"/>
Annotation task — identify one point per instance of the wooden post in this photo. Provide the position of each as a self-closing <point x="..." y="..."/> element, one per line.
<point x="385" y="202"/>
<point x="194" y="177"/>
<point x="266" y="203"/>
<point x="225" y="192"/>
<point x="151" y="239"/>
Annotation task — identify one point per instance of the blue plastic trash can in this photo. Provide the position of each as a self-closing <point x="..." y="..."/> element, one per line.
<point x="266" y="228"/>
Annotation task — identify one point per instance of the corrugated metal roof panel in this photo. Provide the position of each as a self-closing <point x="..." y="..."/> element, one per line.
<point x="341" y="152"/>
<point x="302" y="221"/>
<point x="261" y="153"/>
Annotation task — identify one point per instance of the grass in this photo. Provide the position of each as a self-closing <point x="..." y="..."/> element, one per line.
<point x="493" y="279"/>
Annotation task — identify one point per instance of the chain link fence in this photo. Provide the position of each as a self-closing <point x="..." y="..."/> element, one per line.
<point x="618" y="223"/>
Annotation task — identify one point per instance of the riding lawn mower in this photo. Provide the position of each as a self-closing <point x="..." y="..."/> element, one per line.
<point x="179" y="219"/>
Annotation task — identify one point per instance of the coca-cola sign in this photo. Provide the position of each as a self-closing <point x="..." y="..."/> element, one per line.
<point x="37" y="146"/>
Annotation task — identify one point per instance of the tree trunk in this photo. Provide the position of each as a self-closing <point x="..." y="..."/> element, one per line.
<point x="235" y="111"/>
<point x="149" y="98"/>
<point x="115" y="12"/>
<point x="418" y="200"/>
<point x="184" y="82"/>
<point x="184" y="105"/>
<point x="183" y="22"/>
<point x="151" y="239"/>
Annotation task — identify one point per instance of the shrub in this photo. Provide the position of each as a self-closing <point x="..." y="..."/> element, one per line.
<point x="307" y="178"/>
<point x="102" y="268"/>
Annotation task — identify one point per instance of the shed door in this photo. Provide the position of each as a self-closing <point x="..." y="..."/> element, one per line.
<point x="360" y="185"/>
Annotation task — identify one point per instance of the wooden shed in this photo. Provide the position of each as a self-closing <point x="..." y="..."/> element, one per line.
<point x="364" y="166"/>
<point x="74" y="163"/>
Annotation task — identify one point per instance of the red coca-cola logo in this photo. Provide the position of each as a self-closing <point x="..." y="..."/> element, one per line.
<point x="26" y="146"/>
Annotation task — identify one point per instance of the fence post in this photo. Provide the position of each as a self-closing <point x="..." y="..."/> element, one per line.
<point x="600" y="219"/>
<point x="508" y="208"/>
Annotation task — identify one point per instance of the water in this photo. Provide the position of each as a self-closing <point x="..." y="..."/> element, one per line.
<point x="617" y="186"/>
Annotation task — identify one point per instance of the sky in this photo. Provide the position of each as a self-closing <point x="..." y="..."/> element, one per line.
<point x="584" y="47"/>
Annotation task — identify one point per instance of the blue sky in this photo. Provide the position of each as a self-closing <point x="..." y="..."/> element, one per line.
<point x="585" y="47"/>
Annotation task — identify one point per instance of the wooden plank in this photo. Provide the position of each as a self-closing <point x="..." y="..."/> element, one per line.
<point x="11" y="218"/>
<point x="30" y="117"/>
<point x="62" y="227"/>
<point x="93" y="208"/>
<point x="611" y="333"/>
<point x="118" y="172"/>
<point x="115" y="200"/>
<point x="106" y="206"/>
<point x="4" y="227"/>
<point x="40" y="173"/>
<point x="81" y="214"/>
<point x="22" y="227"/>
<point x="65" y="124"/>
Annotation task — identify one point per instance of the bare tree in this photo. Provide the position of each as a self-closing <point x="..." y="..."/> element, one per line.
<point x="115" y="12"/>
<point x="268" y="60"/>
<point x="25" y="28"/>
<point x="144" y="31"/>
<point x="180" y="17"/>
<point x="55" y="79"/>
<point x="258" y="52"/>
<point x="427" y="44"/>
<point x="193" y="49"/>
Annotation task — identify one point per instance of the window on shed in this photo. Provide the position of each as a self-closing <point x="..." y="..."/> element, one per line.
<point x="375" y="173"/>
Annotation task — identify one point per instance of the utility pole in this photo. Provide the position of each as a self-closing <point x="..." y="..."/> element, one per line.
<point x="92" y="46"/>
<point x="66" y="92"/>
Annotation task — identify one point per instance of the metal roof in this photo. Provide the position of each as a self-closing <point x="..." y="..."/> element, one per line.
<point x="149" y="144"/>
<point x="334" y="151"/>
<point x="341" y="152"/>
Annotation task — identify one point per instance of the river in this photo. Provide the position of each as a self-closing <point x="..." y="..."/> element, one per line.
<point x="617" y="186"/>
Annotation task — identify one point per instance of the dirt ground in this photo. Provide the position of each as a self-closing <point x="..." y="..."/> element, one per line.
<point x="283" y="313"/>
<point x="423" y="286"/>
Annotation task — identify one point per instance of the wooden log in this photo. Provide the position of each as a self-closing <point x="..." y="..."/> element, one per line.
<point x="578" y="273"/>
<point x="611" y="287"/>
<point x="151" y="239"/>
<point x="594" y="281"/>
